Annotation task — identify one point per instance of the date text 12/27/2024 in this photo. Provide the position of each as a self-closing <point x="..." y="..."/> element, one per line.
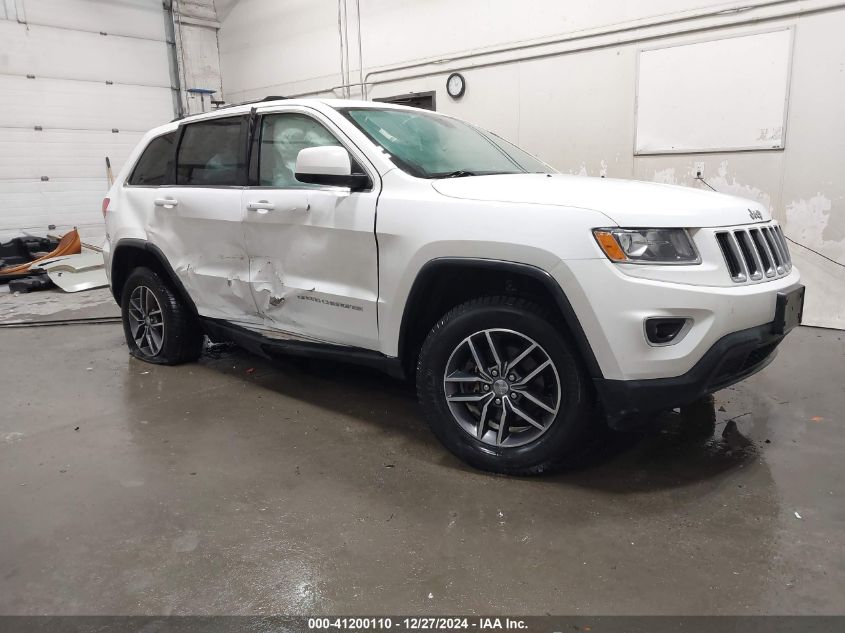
<point x="416" y="624"/>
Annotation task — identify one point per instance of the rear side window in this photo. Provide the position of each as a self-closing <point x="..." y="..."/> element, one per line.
<point x="155" y="167"/>
<point x="213" y="153"/>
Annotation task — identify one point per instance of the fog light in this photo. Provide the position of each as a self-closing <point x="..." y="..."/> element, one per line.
<point x="664" y="330"/>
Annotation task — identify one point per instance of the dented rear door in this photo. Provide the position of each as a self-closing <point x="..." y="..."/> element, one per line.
<point x="200" y="219"/>
<point x="312" y="251"/>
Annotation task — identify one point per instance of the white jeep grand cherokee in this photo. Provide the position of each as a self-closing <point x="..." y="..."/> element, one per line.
<point x="520" y="299"/>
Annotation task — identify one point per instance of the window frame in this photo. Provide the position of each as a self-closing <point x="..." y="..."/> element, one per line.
<point x="256" y="129"/>
<point x="244" y="133"/>
<point x="170" y="176"/>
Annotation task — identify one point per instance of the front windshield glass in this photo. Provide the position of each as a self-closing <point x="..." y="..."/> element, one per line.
<point x="428" y="145"/>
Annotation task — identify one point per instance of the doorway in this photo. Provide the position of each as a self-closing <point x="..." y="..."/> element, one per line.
<point x="424" y="100"/>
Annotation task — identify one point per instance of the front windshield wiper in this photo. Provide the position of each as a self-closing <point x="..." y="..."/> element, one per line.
<point x="460" y="173"/>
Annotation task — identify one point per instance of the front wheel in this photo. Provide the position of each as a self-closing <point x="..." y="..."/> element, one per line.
<point x="502" y="388"/>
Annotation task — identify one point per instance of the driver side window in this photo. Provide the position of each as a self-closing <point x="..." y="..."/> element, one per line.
<point x="282" y="138"/>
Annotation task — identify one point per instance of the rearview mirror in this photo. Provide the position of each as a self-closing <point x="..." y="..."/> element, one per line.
<point x="329" y="165"/>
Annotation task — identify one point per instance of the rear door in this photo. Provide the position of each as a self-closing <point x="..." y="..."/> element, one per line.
<point x="312" y="249"/>
<point x="198" y="221"/>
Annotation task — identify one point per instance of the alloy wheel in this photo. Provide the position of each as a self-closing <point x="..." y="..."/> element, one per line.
<point x="502" y="387"/>
<point x="146" y="321"/>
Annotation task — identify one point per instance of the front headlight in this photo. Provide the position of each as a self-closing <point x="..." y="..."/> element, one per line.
<point x="647" y="246"/>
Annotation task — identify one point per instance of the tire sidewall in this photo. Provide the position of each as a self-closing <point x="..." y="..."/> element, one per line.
<point x="165" y="298"/>
<point x="567" y="427"/>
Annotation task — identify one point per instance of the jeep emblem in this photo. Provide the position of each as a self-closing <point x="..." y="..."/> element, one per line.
<point x="755" y="215"/>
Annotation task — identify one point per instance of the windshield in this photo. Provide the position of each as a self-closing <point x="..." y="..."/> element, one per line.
<point x="432" y="146"/>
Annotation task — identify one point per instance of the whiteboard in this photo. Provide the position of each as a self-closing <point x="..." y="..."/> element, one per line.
<point x="727" y="94"/>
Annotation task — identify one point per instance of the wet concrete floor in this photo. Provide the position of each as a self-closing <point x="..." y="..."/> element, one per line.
<point x="237" y="486"/>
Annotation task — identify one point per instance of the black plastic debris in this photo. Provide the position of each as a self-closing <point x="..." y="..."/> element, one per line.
<point x="30" y="283"/>
<point x="20" y="250"/>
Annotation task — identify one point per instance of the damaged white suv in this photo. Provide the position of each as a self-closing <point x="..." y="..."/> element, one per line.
<point x="520" y="299"/>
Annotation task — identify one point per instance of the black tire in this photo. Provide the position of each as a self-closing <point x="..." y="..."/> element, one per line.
<point x="564" y="436"/>
<point x="182" y="337"/>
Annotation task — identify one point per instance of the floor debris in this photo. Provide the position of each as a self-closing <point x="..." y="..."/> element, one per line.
<point x="78" y="261"/>
<point x="20" y="250"/>
<point x="76" y="272"/>
<point x="31" y="283"/>
<point x="26" y="266"/>
<point x="76" y="281"/>
<point x="69" y="244"/>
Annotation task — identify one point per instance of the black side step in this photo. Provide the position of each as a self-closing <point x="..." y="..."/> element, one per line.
<point x="220" y="330"/>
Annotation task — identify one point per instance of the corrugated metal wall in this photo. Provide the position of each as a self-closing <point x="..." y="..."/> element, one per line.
<point x="79" y="80"/>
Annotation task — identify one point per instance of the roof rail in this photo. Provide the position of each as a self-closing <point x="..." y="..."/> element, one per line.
<point x="267" y="98"/>
<point x="232" y="105"/>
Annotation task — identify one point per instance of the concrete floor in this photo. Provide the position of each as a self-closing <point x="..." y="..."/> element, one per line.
<point x="234" y="486"/>
<point x="54" y="304"/>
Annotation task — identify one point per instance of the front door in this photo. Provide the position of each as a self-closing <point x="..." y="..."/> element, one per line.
<point x="312" y="251"/>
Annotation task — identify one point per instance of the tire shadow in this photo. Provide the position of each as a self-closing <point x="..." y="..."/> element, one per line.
<point x="667" y="449"/>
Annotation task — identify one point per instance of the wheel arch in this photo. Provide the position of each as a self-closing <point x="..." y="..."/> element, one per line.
<point x="130" y="253"/>
<point x="501" y="276"/>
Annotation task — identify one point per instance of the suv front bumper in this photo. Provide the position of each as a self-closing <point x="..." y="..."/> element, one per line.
<point x="613" y="307"/>
<point x="733" y="358"/>
<point x="734" y="333"/>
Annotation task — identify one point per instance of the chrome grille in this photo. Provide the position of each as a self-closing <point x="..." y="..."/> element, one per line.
<point x="756" y="253"/>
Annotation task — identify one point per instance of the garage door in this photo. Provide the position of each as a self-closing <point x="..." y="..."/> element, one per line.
<point x="79" y="80"/>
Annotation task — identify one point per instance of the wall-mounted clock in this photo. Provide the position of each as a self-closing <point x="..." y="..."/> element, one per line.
<point x="456" y="85"/>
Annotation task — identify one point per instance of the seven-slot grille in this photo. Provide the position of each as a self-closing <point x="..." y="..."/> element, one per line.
<point x="755" y="253"/>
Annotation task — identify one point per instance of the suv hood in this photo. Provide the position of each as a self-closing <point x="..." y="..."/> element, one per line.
<point x="626" y="202"/>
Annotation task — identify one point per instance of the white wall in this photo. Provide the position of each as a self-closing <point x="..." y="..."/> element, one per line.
<point x="566" y="89"/>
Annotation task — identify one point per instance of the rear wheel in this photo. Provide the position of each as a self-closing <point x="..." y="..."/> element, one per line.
<point x="502" y="388"/>
<point x="158" y="326"/>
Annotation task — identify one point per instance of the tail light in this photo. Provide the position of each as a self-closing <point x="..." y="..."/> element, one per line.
<point x="105" y="205"/>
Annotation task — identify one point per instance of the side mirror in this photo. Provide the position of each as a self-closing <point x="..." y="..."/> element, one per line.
<point x="329" y="165"/>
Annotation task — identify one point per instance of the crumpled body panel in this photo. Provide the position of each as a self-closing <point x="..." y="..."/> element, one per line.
<point x="313" y="263"/>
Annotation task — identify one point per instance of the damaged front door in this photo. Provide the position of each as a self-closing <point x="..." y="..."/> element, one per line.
<point x="312" y="249"/>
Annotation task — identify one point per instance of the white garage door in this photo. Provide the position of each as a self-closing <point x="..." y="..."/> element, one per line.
<point x="79" y="80"/>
